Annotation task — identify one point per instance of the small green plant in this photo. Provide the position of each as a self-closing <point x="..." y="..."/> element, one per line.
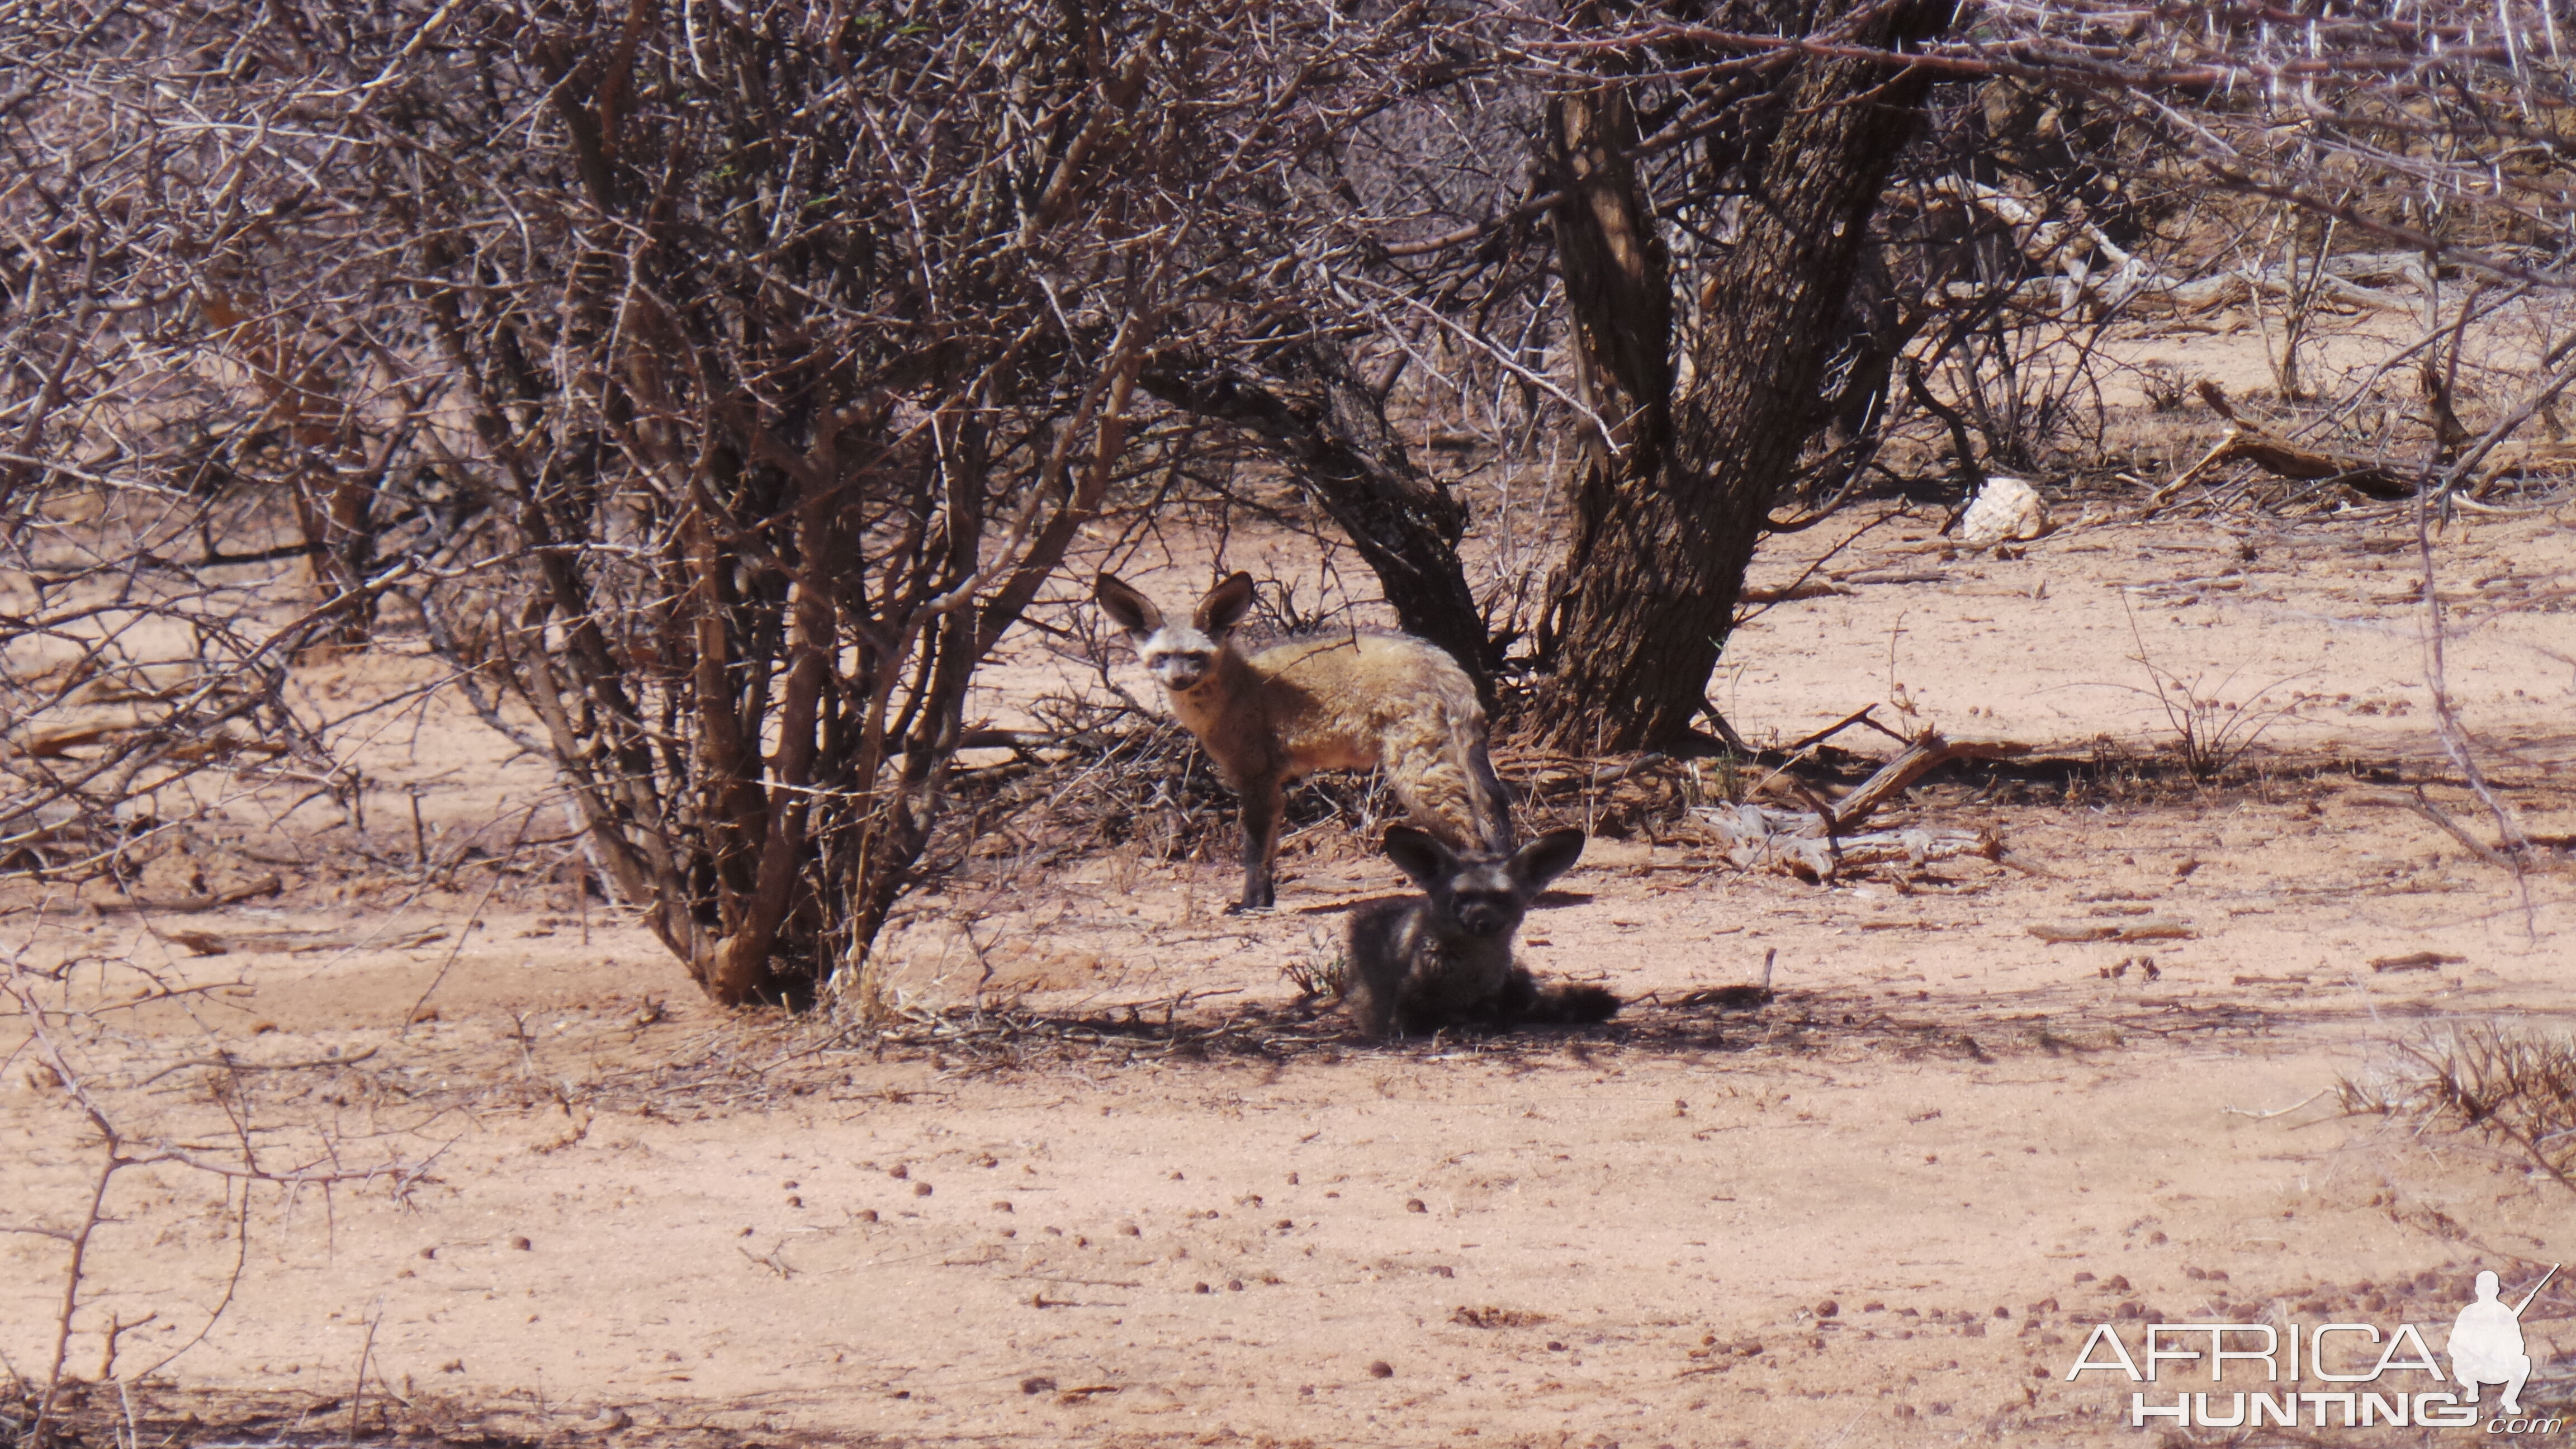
<point x="1712" y="782"/>
<point x="1320" y="972"/>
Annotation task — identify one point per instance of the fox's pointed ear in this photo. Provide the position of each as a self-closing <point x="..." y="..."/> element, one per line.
<point x="1546" y="858"/>
<point x="1420" y="855"/>
<point x="1131" y="610"/>
<point x="1225" y="605"/>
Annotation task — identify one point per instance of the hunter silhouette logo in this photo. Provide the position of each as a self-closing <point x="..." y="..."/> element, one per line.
<point x="2354" y="1388"/>
<point x="2486" y="1343"/>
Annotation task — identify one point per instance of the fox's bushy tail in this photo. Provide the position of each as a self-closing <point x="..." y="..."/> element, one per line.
<point x="1527" y="1003"/>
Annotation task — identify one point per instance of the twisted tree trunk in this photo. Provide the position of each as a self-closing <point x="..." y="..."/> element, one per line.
<point x="1667" y="513"/>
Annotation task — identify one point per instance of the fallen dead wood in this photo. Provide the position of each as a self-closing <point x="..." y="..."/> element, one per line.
<point x="1729" y="998"/>
<point x="1817" y="844"/>
<point x="1021" y="740"/>
<point x="1545" y="774"/>
<point x="1858" y="716"/>
<point x="1929" y="752"/>
<point x="213" y="943"/>
<point x="2078" y="251"/>
<point x="54" y="824"/>
<point x="1811" y="589"/>
<point x="2527" y="459"/>
<point x="55" y="734"/>
<point x="2274" y="454"/>
<point x="267" y="885"/>
<point x="2151" y="929"/>
<point x="2416" y="961"/>
<point x="1761" y="840"/>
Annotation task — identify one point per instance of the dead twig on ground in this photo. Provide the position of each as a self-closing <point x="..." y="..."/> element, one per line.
<point x="2250" y="442"/>
<point x="2423" y="804"/>
<point x="1860" y="716"/>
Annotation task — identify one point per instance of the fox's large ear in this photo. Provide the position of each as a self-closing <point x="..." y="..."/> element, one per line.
<point x="1546" y="858"/>
<point x="1131" y="610"/>
<point x="1225" y="606"/>
<point x="1420" y="855"/>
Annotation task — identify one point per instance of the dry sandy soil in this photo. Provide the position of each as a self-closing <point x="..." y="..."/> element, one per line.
<point x="1161" y="1200"/>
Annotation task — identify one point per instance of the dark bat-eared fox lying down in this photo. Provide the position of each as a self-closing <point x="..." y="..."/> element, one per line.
<point x="1445" y="957"/>
<point x="1356" y="701"/>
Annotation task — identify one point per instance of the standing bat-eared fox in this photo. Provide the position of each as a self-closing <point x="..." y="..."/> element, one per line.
<point x="1339" y="702"/>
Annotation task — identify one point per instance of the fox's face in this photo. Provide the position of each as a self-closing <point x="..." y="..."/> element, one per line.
<point x="1481" y="895"/>
<point x="1181" y="656"/>
<point x="1482" y="899"/>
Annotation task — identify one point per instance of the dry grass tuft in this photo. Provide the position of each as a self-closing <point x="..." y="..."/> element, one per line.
<point x="2512" y="1084"/>
<point x="1321" y="972"/>
<point x="1496" y="1317"/>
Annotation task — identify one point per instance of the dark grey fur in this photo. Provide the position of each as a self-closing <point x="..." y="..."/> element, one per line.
<point x="1445" y="958"/>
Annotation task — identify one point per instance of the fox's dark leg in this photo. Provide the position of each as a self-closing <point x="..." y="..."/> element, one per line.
<point x="1262" y="801"/>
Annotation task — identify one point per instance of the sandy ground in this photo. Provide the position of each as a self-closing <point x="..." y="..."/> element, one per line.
<point x="1887" y="1208"/>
